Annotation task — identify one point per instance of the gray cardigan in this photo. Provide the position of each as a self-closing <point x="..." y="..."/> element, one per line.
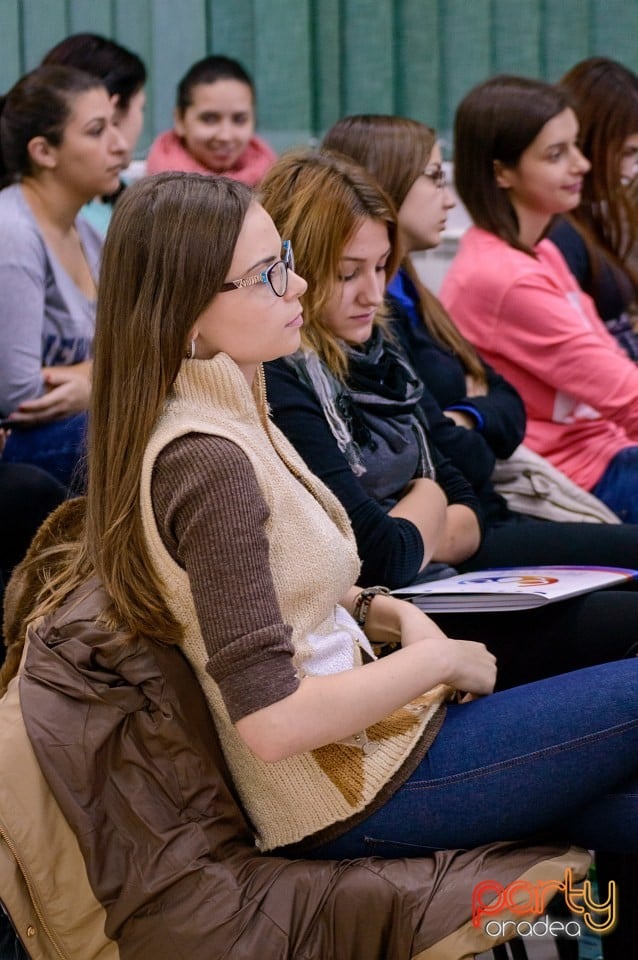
<point x="45" y="319"/>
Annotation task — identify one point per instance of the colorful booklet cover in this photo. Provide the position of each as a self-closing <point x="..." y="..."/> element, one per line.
<point x="511" y="588"/>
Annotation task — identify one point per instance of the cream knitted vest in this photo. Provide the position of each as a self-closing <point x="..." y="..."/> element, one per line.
<point x="314" y="563"/>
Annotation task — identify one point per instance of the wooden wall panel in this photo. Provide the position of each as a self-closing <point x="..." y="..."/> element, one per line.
<point x="285" y="105"/>
<point x="418" y="60"/>
<point x="232" y="30"/>
<point x="326" y="53"/>
<point x="516" y="37"/>
<point x="44" y="22"/>
<point x="368" y="56"/>
<point x="566" y="36"/>
<point x="132" y="21"/>
<point x="465" y="38"/>
<point x="314" y="60"/>
<point x="614" y="30"/>
<point x="11" y="57"/>
<point x="178" y="39"/>
<point x="87" y="16"/>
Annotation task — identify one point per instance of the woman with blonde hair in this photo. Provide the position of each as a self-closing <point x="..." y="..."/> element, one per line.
<point x="401" y="527"/>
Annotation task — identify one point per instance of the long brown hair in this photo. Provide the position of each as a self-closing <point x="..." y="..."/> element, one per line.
<point x="317" y="200"/>
<point x="168" y="250"/>
<point x="605" y="96"/>
<point x="496" y="122"/>
<point x="396" y="151"/>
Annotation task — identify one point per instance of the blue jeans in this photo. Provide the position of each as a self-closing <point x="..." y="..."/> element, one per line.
<point x="558" y="757"/>
<point x="618" y="486"/>
<point x="58" y="447"/>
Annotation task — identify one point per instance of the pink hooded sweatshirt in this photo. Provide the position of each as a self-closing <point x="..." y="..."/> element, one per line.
<point x="169" y="153"/>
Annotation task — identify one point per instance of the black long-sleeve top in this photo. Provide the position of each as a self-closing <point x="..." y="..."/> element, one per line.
<point x="390" y="548"/>
<point x="499" y="416"/>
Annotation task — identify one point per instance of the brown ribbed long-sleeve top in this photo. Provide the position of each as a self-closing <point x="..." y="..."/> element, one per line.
<point x="211" y="515"/>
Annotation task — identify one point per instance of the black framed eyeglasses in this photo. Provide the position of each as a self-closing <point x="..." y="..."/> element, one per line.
<point x="437" y="176"/>
<point x="276" y="275"/>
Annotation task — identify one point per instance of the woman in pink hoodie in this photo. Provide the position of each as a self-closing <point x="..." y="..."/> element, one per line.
<point x="214" y="128"/>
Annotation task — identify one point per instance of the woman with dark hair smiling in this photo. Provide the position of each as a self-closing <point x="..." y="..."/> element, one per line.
<point x="214" y="125"/>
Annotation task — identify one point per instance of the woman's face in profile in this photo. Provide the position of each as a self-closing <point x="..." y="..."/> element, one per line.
<point x="92" y="152"/>
<point x="423" y="213"/>
<point x="360" y="287"/>
<point x="548" y="178"/>
<point x="217" y="125"/>
<point x="251" y="324"/>
<point x="130" y="121"/>
<point x="629" y="159"/>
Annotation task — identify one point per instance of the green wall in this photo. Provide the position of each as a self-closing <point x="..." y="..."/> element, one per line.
<point x="315" y="60"/>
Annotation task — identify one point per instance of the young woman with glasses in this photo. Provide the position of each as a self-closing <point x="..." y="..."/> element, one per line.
<point x="207" y="529"/>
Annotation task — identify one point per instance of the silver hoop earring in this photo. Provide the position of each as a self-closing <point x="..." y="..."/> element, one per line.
<point x="192" y="350"/>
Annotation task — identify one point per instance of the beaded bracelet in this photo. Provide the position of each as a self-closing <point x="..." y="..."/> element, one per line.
<point x="363" y="601"/>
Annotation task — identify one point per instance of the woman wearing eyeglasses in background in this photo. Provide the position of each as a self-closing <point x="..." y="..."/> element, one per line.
<point x="509" y="290"/>
<point x="598" y="237"/>
<point x="405" y="159"/>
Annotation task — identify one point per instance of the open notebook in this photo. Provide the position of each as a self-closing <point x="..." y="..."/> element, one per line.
<point x="511" y="588"/>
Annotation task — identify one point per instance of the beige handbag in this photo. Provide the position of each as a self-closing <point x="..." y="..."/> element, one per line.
<point x="532" y="485"/>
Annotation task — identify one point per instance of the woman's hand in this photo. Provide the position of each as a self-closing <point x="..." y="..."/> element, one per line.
<point x="466" y="665"/>
<point x="68" y="390"/>
<point x="473" y="668"/>
<point x="450" y="533"/>
<point x="475" y="388"/>
<point x="3" y="440"/>
<point x="461" y="419"/>
<point x="330" y="708"/>
<point x="461" y="536"/>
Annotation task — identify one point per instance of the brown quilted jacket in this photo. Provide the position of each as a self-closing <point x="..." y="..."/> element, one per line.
<point x="123" y="839"/>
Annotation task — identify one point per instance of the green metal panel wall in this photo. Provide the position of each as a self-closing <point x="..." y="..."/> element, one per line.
<point x="315" y="60"/>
